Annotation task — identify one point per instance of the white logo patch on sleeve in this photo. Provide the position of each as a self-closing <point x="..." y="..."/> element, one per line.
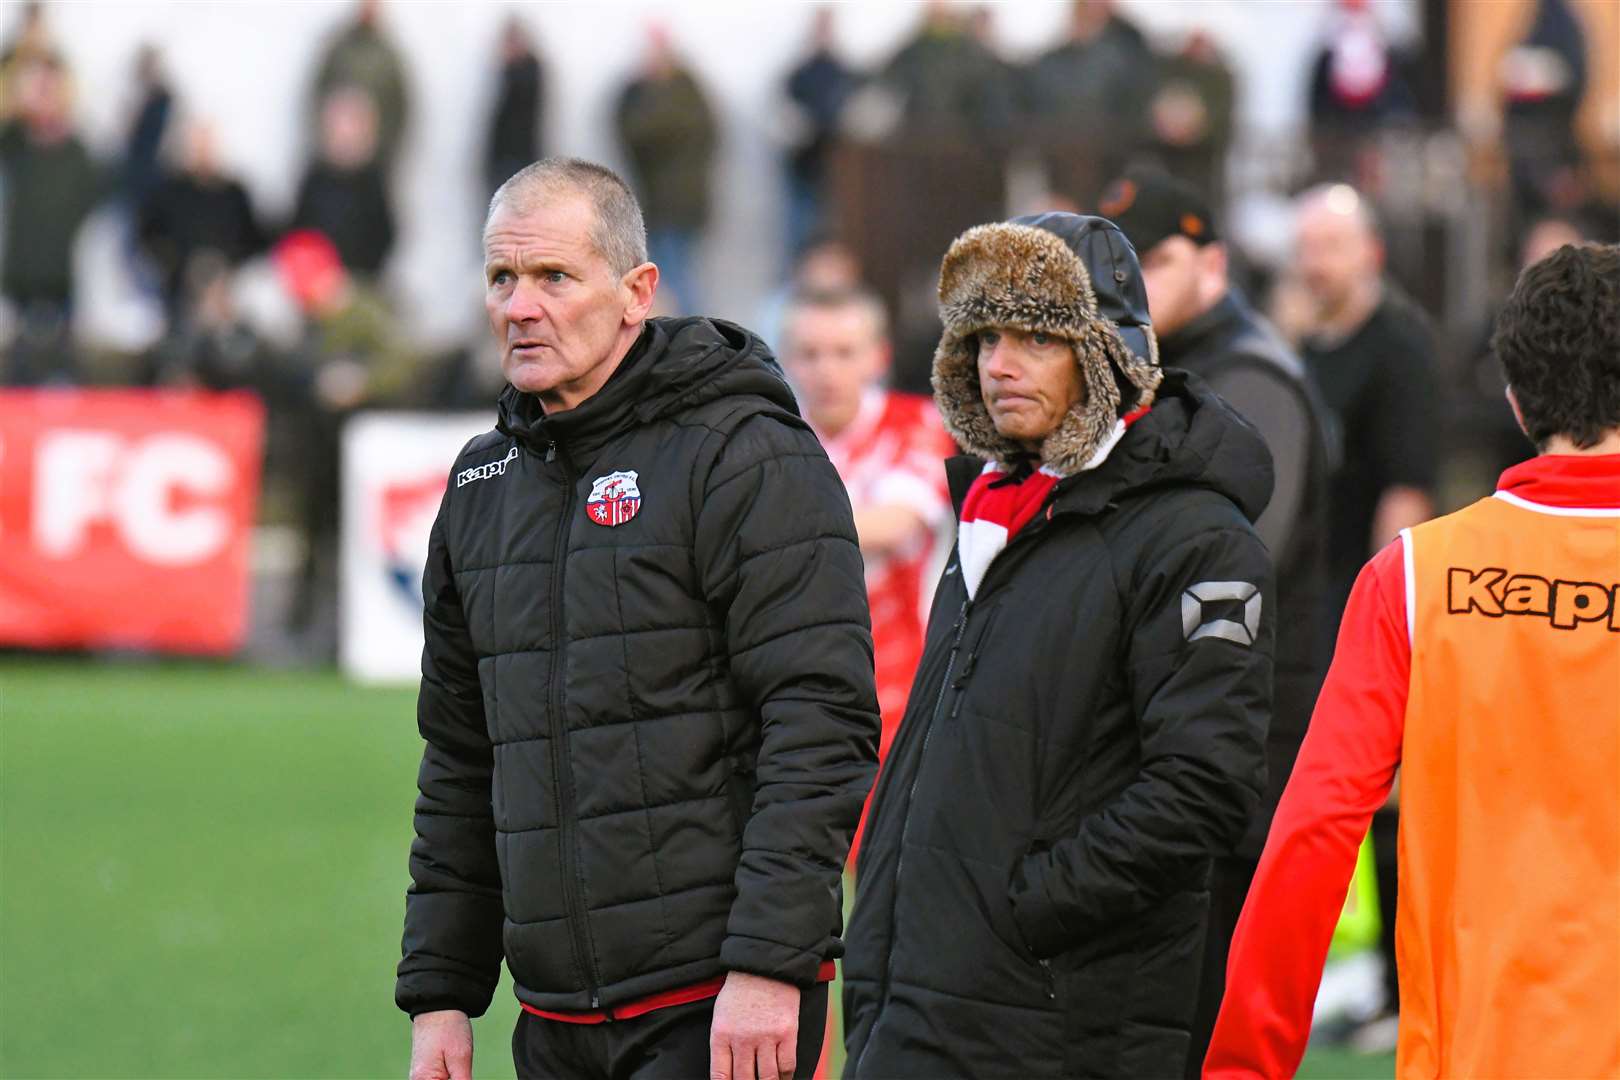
<point x="1223" y="597"/>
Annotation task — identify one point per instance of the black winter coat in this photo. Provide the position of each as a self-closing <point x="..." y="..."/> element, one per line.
<point x="646" y="692"/>
<point x="1082" y="738"/>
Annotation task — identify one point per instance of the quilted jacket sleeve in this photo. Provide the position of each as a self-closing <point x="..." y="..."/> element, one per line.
<point x="453" y="913"/>
<point x="777" y="554"/>
<point x="1198" y="652"/>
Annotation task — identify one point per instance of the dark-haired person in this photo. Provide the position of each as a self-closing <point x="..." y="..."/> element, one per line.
<point x="1086" y="732"/>
<point x="647" y="683"/>
<point x="1480" y="654"/>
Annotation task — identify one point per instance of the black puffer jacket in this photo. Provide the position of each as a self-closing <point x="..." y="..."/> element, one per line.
<point x="1081" y="739"/>
<point x="647" y="699"/>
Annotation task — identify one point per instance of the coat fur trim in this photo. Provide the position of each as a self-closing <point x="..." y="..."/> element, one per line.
<point x="1023" y="278"/>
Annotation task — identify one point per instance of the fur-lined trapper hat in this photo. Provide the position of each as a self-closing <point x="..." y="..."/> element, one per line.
<point x="1068" y="275"/>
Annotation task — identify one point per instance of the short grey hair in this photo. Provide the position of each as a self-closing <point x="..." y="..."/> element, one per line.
<point x="619" y="234"/>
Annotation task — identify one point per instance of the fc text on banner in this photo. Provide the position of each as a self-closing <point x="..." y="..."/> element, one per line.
<point x="126" y="518"/>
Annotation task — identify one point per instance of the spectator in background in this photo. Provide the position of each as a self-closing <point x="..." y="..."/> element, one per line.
<point x="890" y="450"/>
<point x="344" y="195"/>
<point x="669" y="134"/>
<point x="948" y="82"/>
<point x="817" y="90"/>
<point x="353" y="354"/>
<point x="49" y="185"/>
<point x="1372" y="354"/>
<point x="826" y="265"/>
<point x="31" y="42"/>
<point x="154" y="104"/>
<point x="1357" y="89"/>
<point x="354" y="348"/>
<point x="1206" y="326"/>
<point x="515" y="127"/>
<point x="1543" y="80"/>
<point x="197" y="211"/>
<point x="142" y="170"/>
<point x="1356" y="83"/>
<point x="1093" y="91"/>
<point x="998" y="77"/>
<point x="1191" y="113"/>
<point x="210" y="346"/>
<point x="361" y="55"/>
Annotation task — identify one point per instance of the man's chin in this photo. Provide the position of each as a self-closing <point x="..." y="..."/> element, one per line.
<point x="1019" y="434"/>
<point x="531" y="377"/>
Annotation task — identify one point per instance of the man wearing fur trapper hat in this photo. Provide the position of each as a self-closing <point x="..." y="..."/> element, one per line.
<point x="1087" y="728"/>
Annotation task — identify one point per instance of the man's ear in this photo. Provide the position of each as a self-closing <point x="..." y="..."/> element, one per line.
<point x="1215" y="264"/>
<point x="642" y="283"/>
<point x="885" y="358"/>
<point x="1518" y="413"/>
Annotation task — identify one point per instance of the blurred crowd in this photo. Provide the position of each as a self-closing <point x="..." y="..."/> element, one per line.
<point x="1055" y="128"/>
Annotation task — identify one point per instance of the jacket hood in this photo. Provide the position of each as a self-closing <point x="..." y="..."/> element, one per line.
<point x="1191" y="438"/>
<point x="1069" y="275"/>
<point x="676" y="365"/>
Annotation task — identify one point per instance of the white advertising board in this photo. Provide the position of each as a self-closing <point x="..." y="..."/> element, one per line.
<point x="394" y="470"/>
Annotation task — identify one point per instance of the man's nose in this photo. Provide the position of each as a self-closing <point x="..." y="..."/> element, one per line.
<point x="524" y="305"/>
<point x="997" y="361"/>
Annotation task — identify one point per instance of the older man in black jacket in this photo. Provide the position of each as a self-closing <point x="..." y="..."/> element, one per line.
<point x="1205" y="325"/>
<point x="647" y="684"/>
<point x="1086" y="732"/>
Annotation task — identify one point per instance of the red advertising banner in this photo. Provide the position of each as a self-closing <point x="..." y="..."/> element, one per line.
<point x="126" y="517"/>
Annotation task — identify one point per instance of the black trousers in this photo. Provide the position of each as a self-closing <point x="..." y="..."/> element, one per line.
<point x="1228" y="887"/>
<point x="666" y="1044"/>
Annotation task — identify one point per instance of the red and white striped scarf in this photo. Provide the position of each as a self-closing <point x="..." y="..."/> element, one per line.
<point x="1000" y="502"/>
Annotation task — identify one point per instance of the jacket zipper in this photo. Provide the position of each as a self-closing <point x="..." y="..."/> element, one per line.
<point x="945" y="687"/>
<point x="561" y="765"/>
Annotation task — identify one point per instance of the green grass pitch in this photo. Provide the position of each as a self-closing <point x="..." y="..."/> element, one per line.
<point x="202" y="872"/>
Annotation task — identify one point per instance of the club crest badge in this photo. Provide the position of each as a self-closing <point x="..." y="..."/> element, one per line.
<point x="614" y="500"/>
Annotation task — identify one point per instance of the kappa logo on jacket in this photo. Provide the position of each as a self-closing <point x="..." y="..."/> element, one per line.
<point x="614" y="499"/>
<point x="1494" y="592"/>
<point x="484" y="472"/>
